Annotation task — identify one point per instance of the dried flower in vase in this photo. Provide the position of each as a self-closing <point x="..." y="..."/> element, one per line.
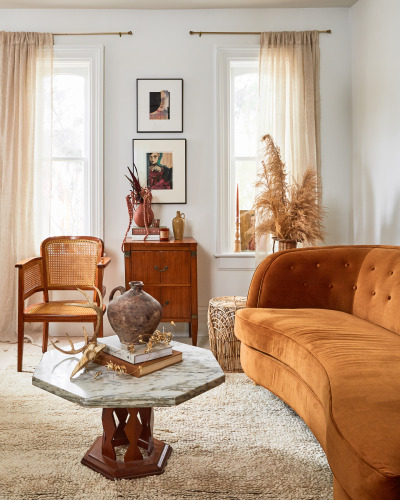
<point x="288" y="210"/>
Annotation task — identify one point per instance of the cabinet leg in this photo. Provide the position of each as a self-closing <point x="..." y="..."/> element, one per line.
<point x="193" y="328"/>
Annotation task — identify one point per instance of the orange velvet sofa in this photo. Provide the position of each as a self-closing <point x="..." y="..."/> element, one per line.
<point x="321" y="330"/>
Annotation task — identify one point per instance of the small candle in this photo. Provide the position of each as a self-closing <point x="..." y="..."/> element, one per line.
<point x="237" y="202"/>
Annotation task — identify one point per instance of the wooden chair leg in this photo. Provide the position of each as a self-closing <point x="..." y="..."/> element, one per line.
<point x="45" y="336"/>
<point x="20" y="350"/>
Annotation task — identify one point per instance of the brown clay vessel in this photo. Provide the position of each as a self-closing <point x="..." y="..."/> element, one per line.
<point x="133" y="313"/>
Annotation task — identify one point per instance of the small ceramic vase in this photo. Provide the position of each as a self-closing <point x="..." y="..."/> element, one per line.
<point x="133" y="313"/>
<point x="178" y="225"/>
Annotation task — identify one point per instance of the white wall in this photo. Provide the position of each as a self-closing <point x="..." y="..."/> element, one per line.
<point x="161" y="47"/>
<point x="376" y="121"/>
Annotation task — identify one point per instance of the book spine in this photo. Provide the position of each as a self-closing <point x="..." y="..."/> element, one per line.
<point x="141" y="237"/>
<point x="140" y="358"/>
<point x="142" y="230"/>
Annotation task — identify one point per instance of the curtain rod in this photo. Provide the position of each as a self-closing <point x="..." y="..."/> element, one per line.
<point x="236" y="32"/>
<point x="120" y="33"/>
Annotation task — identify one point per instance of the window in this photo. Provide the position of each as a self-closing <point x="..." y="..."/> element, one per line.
<point x="238" y="138"/>
<point x="77" y="142"/>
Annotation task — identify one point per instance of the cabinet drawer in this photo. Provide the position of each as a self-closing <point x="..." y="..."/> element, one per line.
<point x="175" y="300"/>
<point x="161" y="267"/>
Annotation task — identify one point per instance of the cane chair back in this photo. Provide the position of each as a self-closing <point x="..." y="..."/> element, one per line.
<point x="70" y="263"/>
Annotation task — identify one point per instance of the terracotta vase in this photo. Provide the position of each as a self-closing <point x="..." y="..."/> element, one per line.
<point x="138" y="216"/>
<point x="133" y="313"/>
<point x="178" y="225"/>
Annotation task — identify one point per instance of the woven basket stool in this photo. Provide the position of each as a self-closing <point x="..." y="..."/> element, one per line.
<point x="221" y="323"/>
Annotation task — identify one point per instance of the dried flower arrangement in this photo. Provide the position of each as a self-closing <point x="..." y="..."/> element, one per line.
<point x="137" y="196"/>
<point x="287" y="210"/>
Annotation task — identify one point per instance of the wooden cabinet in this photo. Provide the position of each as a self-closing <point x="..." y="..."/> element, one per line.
<point x="168" y="270"/>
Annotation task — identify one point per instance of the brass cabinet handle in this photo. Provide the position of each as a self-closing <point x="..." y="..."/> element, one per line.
<point x="161" y="270"/>
<point x="166" y="303"/>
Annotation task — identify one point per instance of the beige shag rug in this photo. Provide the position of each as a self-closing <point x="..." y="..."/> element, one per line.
<point x="235" y="442"/>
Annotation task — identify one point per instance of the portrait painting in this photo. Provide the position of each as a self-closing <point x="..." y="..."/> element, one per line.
<point x="247" y="224"/>
<point x="159" y="170"/>
<point x="159" y="105"/>
<point x="161" y="165"/>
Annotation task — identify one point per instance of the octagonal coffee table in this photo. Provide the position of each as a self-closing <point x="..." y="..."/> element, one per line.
<point x="128" y="404"/>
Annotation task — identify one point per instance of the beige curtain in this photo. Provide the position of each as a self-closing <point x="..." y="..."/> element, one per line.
<point x="25" y="73"/>
<point x="289" y="102"/>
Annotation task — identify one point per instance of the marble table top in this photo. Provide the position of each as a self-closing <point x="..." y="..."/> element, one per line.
<point x="197" y="373"/>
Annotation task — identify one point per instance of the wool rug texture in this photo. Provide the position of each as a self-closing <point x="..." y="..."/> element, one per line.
<point x="235" y="442"/>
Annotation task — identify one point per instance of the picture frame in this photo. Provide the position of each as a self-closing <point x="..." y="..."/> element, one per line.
<point x="161" y="165"/>
<point x="159" y="105"/>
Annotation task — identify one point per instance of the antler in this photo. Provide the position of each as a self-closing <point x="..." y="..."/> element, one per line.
<point x="99" y="312"/>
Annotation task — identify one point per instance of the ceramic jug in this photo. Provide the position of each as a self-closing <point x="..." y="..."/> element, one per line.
<point x="133" y="313"/>
<point x="178" y="225"/>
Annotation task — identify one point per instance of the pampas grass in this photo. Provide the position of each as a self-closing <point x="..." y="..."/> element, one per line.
<point x="287" y="210"/>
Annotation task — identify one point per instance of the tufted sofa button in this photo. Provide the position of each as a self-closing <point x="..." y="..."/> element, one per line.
<point x="330" y="285"/>
<point x="389" y="298"/>
<point x="373" y="292"/>
<point x="318" y="265"/>
<point x="292" y="267"/>
<point x="354" y="287"/>
<point x="305" y="284"/>
<point x="347" y="264"/>
<point x="391" y="273"/>
<point x="372" y="268"/>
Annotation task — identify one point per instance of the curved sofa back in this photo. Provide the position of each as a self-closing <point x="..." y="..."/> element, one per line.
<point x="359" y="280"/>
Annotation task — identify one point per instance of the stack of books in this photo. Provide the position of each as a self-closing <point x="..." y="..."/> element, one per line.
<point x="139" y="233"/>
<point x="137" y="363"/>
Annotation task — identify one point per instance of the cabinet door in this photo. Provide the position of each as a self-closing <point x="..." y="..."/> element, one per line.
<point x="174" y="267"/>
<point x="176" y="302"/>
<point x="145" y="266"/>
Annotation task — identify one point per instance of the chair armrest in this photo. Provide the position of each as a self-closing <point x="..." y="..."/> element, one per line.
<point x="30" y="277"/>
<point x="27" y="262"/>
<point x="104" y="261"/>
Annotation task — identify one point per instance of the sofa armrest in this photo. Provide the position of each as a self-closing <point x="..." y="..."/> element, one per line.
<point x="312" y="277"/>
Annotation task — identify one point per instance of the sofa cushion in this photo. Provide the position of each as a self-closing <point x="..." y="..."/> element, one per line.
<point x="351" y="365"/>
<point x="377" y="297"/>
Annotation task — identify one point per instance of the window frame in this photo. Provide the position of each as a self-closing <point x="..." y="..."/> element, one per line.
<point x="225" y="195"/>
<point x="94" y="55"/>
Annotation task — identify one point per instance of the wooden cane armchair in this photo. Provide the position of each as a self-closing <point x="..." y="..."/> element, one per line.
<point x="66" y="263"/>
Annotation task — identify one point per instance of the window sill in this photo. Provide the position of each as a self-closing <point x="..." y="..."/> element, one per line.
<point x="236" y="261"/>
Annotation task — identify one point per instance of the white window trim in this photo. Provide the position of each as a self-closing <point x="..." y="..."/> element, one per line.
<point x="227" y="259"/>
<point x="95" y="55"/>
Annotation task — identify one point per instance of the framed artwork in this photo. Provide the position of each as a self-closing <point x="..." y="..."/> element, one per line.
<point x="161" y="165"/>
<point x="159" y="105"/>
<point x="247" y="221"/>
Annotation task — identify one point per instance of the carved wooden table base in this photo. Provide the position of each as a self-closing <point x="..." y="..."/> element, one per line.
<point x="135" y="429"/>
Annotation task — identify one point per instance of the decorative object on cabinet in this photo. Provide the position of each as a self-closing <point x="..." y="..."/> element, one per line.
<point x="65" y="262"/>
<point x="161" y="164"/>
<point x="159" y="105"/>
<point x="138" y="202"/>
<point x="169" y="271"/>
<point x="134" y="315"/>
<point x="164" y="233"/>
<point x="178" y="225"/>
<point x="287" y="210"/>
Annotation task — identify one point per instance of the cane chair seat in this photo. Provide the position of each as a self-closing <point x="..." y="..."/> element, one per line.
<point x="61" y="308"/>
<point x="65" y="263"/>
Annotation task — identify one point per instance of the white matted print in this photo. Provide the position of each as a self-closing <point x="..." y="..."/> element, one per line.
<point x="161" y="165"/>
<point x="159" y="105"/>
